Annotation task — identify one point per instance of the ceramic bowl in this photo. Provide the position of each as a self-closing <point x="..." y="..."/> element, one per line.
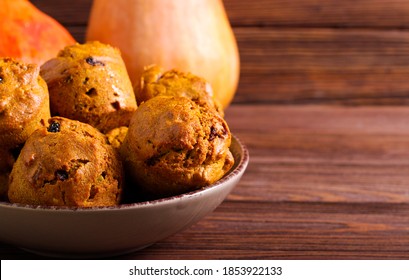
<point x="108" y="231"/>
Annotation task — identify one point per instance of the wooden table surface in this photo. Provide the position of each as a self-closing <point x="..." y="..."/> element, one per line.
<point x="322" y="108"/>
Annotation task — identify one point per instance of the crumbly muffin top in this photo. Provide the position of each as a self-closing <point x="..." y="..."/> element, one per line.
<point x="89" y="82"/>
<point x="174" y="145"/>
<point x="179" y="131"/>
<point x="156" y="81"/>
<point x="66" y="163"/>
<point x="23" y="93"/>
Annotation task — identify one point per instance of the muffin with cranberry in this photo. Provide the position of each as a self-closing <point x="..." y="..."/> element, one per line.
<point x="156" y="81"/>
<point x="24" y="102"/>
<point x="66" y="163"/>
<point x="173" y="146"/>
<point x="89" y="83"/>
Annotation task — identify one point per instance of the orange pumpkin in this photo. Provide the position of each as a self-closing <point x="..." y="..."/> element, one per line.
<point x="28" y="34"/>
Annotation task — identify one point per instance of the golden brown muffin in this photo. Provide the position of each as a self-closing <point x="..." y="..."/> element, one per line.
<point x="66" y="163"/>
<point x="117" y="136"/>
<point x="24" y="102"/>
<point x="174" y="145"/>
<point x="89" y="82"/>
<point x="6" y="164"/>
<point x="155" y="81"/>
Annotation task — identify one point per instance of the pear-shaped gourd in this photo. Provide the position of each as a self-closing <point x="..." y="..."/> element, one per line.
<point x="28" y="34"/>
<point x="189" y="35"/>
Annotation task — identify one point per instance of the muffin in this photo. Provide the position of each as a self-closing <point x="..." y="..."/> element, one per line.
<point x="155" y="81"/>
<point x="66" y="163"/>
<point x="24" y="102"/>
<point x="117" y="136"/>
<point x="6" y="164"/>
<point x="89" y="83"/>
<point x="174" y="146"/>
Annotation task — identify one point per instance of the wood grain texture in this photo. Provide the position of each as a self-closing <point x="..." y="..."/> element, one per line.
<point x="319" y="13"/>
<point x="354" y="66"/>
<point x="324" y="154"/>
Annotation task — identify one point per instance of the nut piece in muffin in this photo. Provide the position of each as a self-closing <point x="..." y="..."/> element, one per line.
<point x="156" y="81"/>
<point x="174" y="146"/>
<point x="117" y="136"/>
<point x="89" y="83"/>
<point x="66" y="163"/>
<point x="24" y="102"/>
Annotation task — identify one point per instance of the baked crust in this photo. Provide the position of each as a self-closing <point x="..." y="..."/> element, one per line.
<point x="156" y="81"/>
<point x="89" y="83"/>
<point x="67" y="163"/>
<point x="174" y="146"/>
<point x="24" y="102"/>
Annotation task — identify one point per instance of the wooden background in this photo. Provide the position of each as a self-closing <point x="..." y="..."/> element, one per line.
<point x="322" y="107"/>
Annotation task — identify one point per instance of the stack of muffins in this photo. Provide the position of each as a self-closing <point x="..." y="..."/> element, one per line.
<point x="74" y="129"/>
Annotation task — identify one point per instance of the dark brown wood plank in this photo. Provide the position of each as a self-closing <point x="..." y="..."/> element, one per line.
<point x="319" y="13"/>
<point x="323" y="153"/>
<point x="298" y="13"/>
<point x="323" y="65"/>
